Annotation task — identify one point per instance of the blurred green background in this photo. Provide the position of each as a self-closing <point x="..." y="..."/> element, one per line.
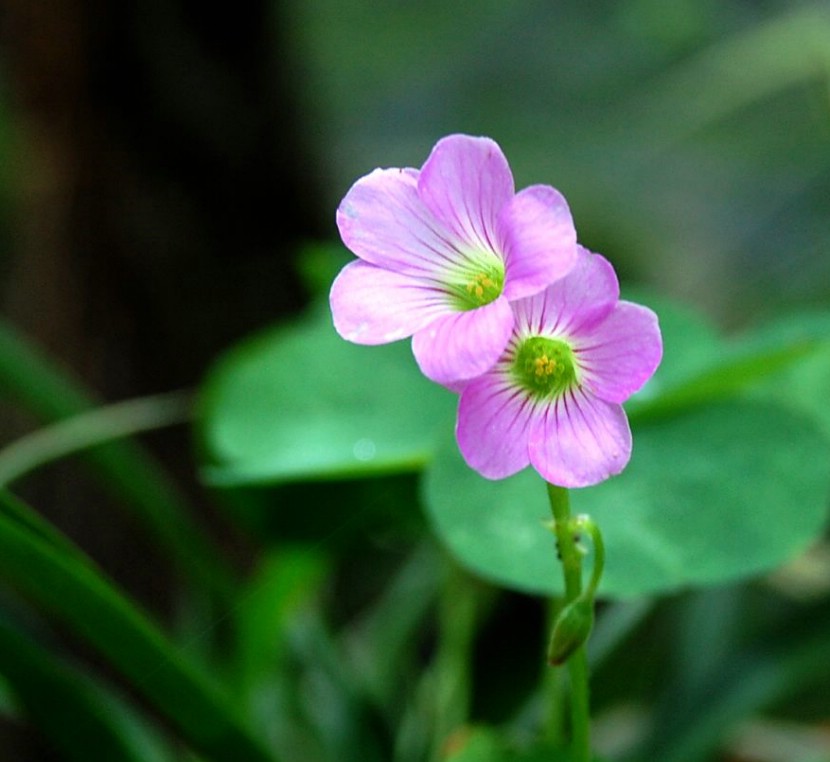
<point x="162" y="161"/>
<point x="165" y="166"/>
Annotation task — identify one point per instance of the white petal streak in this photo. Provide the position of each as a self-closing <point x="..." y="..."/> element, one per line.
<point x="579" y="440"/>
<point x="533" y="317"/>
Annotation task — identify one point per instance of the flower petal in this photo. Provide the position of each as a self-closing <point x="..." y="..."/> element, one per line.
<point x="464" y="345"/>
<point x="375" y="306"/>
<point x="465" y="182"/>
<point x="384" y="222"/>
<point x="573" y="304"/>
<point x="494" y="422"/>
<point x="579" y="440"/>
<point x="621" y="353"/>
<point x="538" y="238"/>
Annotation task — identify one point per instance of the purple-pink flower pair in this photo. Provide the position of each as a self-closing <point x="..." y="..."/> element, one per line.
<point x="503" y="306"/>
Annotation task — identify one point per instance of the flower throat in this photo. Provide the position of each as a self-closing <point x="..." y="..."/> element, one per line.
<point x="478" y="287"/>
<point x="545" y="367"/>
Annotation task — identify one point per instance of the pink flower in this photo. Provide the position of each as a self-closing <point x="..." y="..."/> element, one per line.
<point x="554" y="398"/>
<point x="442" y="252"/>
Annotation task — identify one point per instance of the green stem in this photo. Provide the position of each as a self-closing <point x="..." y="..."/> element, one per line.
<point x="554" y="729"/>
<point x="586" y="524"/>
<point x="578" y="662"/>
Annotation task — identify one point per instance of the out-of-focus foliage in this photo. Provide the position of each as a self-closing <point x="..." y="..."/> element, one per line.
<point x="335" y="418"/>
<point x="384" y="605"/>
<point x="712" y="472"/>
<point x="692" y="139"/>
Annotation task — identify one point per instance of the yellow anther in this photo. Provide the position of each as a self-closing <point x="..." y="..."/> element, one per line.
<point x="544" y="366"/>
<point x="478" y="288"/>
<point x="480" y="285"/>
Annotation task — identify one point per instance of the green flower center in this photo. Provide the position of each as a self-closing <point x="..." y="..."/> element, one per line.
<point x="545" y="367"/>
<point x="475" y="287"/>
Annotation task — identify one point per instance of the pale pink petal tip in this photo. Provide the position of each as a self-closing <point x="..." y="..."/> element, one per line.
<point x="464" y="345"/>
<point x="370" y="305"/>
<point x="581" y="442"/>
<point x="464" y="183"/>
<point x="539" y="240"/>
<point x="622" y="353"/>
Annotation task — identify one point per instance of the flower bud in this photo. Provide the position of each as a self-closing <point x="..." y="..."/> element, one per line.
<point x="571" y="629"/>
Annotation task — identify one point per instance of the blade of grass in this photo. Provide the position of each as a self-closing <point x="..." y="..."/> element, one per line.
<point x="83" y="431"/>
<point x="746" y="684"/>
<point x="16" y="510"/>
<point x="79" y="716"/>
<point x="378" y="641"/>
<point x="125" y="469"/>
<point x="89" y="605"/>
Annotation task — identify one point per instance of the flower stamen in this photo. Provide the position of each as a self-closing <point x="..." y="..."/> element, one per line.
<point x="478" y="287"/>
<point x="481" y="284"/>
<point x="545" y="367"/>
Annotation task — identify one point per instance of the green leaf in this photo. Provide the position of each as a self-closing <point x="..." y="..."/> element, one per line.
<point x="733" y="373"/>
<point x="83" y="600"/>
<point x="700" y="367"/>
<point x="301" y="403"/>
<point x="16" y="510"/>
<point x="282" y="582"/>
<point x="719" y="493"/>
<point x="29" y="377"/>
<point x="475" y="745"/>
<point x="803" y="386"/>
